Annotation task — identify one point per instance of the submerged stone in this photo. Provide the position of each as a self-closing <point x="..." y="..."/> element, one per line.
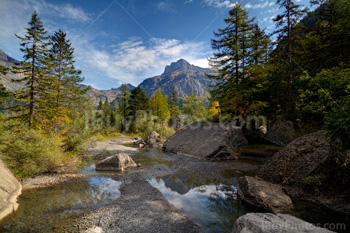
<point x="118" y="162"/>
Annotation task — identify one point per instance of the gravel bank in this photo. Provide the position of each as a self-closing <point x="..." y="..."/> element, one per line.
<point x="47" y="180"/>
<point x="140" y="208"/>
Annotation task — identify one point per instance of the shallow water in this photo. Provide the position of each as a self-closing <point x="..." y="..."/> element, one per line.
<point x="213" y="206"/>
<point x="51" y="208"/>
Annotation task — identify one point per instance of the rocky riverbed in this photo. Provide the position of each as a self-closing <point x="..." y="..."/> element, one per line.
<point x="167" y="193"/>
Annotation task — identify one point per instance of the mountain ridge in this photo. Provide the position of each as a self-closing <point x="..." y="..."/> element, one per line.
<point x="182" y="76"/>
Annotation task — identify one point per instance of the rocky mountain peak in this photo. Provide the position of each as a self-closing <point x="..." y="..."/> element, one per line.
<point x="6" y="60"/>
<point x="181" y="64"/>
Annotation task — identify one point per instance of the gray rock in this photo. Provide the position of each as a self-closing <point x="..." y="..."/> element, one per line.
<point x="281" y="133"/>
<point x="10" y="189"/>
<point x="274" y="223"/>
<point x="206" y="140"/>
<point x="139" y="142"/>
<point x="309" y="155"/>
<point x="117" y="162"/>
<point x="264" y="194"/>
<point x="153" y="140"/>
<point x="94" y="229"/>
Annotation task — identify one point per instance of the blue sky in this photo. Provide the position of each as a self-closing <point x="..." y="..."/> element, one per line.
<point x="126" y="41"/>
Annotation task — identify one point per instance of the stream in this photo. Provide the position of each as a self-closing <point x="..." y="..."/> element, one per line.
<point x="213" y="206"/>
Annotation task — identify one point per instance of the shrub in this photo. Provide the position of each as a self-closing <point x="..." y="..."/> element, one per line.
<point x="28" y="152"/>
<point x="312" y="180"/>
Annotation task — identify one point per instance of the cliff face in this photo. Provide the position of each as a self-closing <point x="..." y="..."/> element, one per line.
<point x="182" y="76"/>
<point x="10" y="189"/>
<point x="5" y="80"/>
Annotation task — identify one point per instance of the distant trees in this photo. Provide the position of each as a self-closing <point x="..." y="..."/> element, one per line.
<point x="124" y="104"/>
<point x="138" y="100"/>
<point x="194" y="107"/>
<point x="159" y="105"/>
<point x="173" y="104"/>
<point x="4" y="94"/>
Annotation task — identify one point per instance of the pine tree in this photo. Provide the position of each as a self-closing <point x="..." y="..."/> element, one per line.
<point x="34" y="46"/>
<point x="124" y="104"/>
<point x="65" y="77"/>
<point x="327" y="43"/>
<point x="173" y="104"/>
<point x="237" y="50"/>
<point x="100" y="105"/>
<point x="159" y="105"/>
<point x="288" y="36"/>
<point x="138" y="100"/>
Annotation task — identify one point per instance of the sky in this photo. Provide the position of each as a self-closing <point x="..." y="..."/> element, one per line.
<point x="127" y="41"/>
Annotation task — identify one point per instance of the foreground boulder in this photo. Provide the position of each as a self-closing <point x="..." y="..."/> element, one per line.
<point x="281" y="133"/>
<point x="263" y="194"/>
<point x="118" y="162"/>
<point x="206" y="140"/>
<point x="10" y="189"/>
<point x="308" y="156"/>
<point x="273" y="223"/>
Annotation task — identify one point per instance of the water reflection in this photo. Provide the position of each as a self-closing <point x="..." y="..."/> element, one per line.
<point x="214" y="208"/>
<point x="48" y="209"/>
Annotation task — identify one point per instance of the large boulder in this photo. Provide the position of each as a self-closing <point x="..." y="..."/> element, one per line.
<point x="264" y="194"/>
<point x="117" y="162"/>
<point x="10" y="189"/>
<point x="308" y="156"/>
<point x="281" y="133"/>
<point x="273" y="223"/>
<point x="206" y="140"/>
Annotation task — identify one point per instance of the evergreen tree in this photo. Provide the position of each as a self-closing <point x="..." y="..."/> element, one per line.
<point x="34" y="46"/>
<point x="194" y="106"/>
<point x="288" y="37"/>
<point x="107" y="107"/>
<point x="100" y="104"/>
<point x="173" y="104"/>
<point x="124" y="104"/>
<point x="242" y="47"/>
<point x="159" y="105"/>
<point x="327" y="43"/>
<point x="65" y="77"/>
<point x="138" y="100"/>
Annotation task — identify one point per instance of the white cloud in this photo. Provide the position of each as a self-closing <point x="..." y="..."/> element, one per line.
<point x="134" y="60"/>
<point x="188" y="1"/>
<point x="74" y="13"/>
<point x="259" y="5"/>
<point x="165" y="6"/>
<point x="220" y="3"/>
<point x="16" y="13"/>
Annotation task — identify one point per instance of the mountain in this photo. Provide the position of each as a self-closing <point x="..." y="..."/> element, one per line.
<point x="182" y="76"/>
<point x="95" y="95"/>
<point x="8" y="61"/>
